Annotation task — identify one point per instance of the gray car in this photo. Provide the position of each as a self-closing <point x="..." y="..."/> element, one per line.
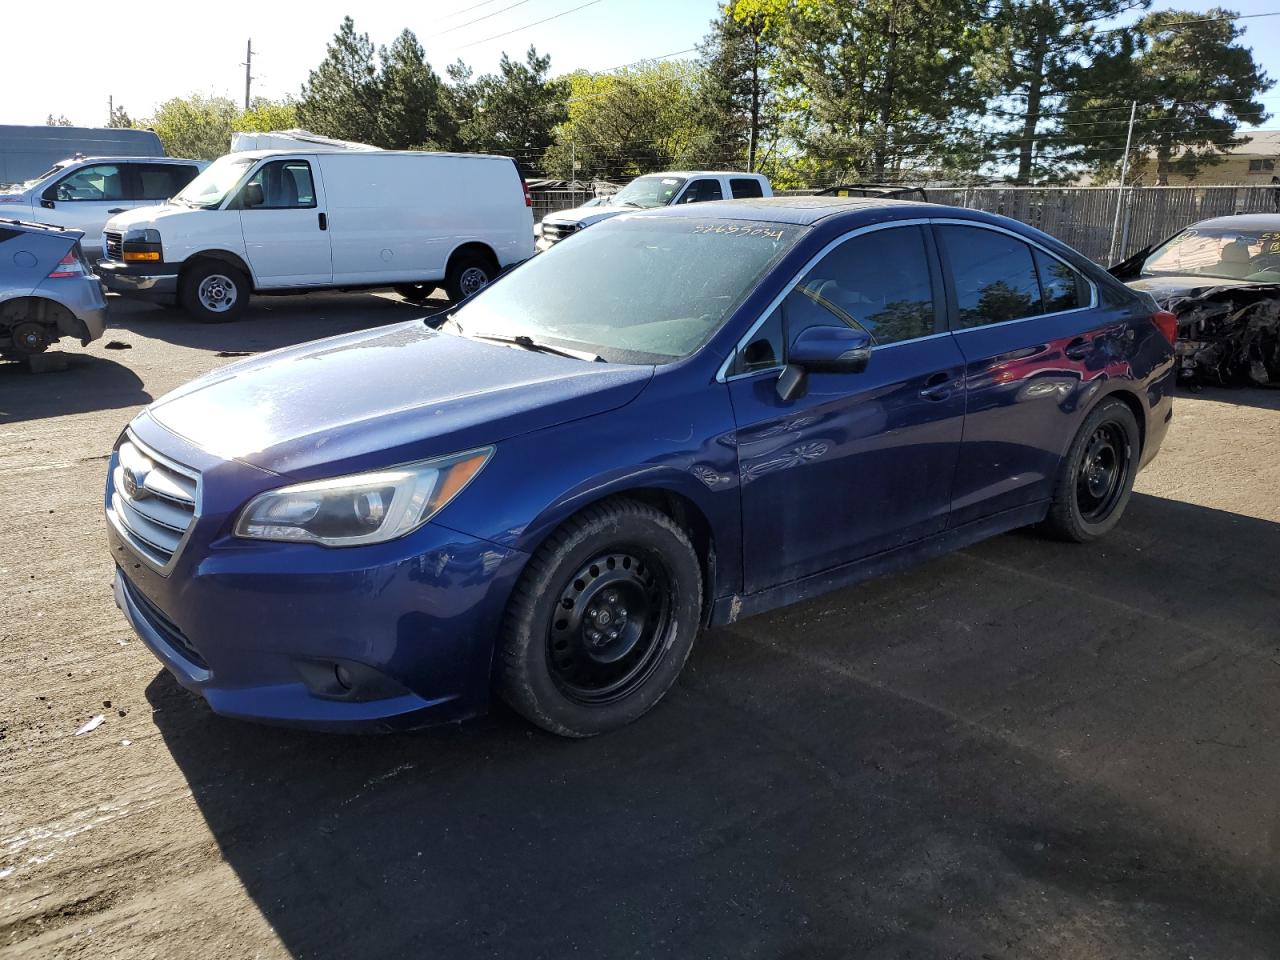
<point x="47" y="289"/>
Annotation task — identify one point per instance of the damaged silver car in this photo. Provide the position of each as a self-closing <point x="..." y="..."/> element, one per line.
<point x="1221" y="278"/>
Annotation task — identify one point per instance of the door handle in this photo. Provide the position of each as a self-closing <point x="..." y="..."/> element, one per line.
<point x="324" y="222"/>
<point x="116" y="210"/>
<point x="937" y="387"/>
<point x="1078" y="349"/>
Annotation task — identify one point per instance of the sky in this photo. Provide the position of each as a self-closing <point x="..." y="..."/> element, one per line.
<point x="143" y="59"/>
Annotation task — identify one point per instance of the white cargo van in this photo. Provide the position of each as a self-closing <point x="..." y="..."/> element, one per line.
<point x="273" y="221"/>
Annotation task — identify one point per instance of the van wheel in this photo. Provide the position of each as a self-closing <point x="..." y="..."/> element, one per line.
<point x="602" y="620"/>
<point x="416" y="292"/>
<point x="468" y="273"/>
<point x="213" y="291"/>
<point x="1095" y="480"/>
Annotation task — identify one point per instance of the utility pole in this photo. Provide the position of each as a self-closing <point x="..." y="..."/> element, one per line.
<point x="1124" y="173"/>
<point x="111" y="109"/>
<point x="248" y="75"/>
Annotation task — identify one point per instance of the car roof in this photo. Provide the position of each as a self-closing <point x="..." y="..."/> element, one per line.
<point x="315" y="148"/>
<point x="806" y="211"/>
<point x="115" y="159"/>
<point x="703" y="173"/>
<point x="1246" y="221"/>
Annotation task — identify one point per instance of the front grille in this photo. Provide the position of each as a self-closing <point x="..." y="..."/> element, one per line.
<point x="115" y="246"/>
<point x="555" y="232"/>
<point x="151" y="501"/>
<point x="162" y="625"/>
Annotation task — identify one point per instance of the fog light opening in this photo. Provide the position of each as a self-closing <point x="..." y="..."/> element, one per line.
<point x="343" y="676"/>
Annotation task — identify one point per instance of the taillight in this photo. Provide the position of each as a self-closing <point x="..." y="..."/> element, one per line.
<point x="1167" y="323"/>
<point x="528" y="198"/>
<point x="68" y="266"/>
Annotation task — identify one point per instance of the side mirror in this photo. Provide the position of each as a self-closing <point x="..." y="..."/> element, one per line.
<point x="253" y="195"/>
<point x="826" y="349"/>
<point x="831" y="349"/>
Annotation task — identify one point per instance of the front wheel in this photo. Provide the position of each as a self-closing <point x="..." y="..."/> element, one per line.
<point x="1095" y="480"/>
<point x="213" y="291"/>
<point x="602" y="620"/>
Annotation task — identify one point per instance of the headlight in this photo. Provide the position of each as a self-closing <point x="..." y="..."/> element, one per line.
<point x="142" y="236"/>
<point x="362" y="508"/>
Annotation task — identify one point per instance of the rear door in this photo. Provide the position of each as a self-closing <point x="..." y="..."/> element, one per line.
<point x="285" y="226"/>
<point x="85" y="199"/>
<point x="157" y="182"/>
<point x="862" y="462"/>
<point x="1033" y="341"/>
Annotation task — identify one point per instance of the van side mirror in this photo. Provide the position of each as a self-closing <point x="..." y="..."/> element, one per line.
<point x="253" y="196"/>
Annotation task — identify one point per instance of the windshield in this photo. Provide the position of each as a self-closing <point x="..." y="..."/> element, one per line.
<point x="648" y="192"/>
<point x="218" y="179"/>
<point x="632" y="289"/>
<point x="28" y="184"/>
<point x="1229" y="253"/>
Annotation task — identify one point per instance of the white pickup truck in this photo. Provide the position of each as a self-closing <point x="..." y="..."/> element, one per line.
<point x="654" y="190"/>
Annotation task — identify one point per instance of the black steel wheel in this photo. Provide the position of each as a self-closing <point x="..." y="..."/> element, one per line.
<point x="1095" y="480"/>
<point x="602" y="620"/>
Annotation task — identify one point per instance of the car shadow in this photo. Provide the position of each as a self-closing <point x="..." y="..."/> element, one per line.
<point x="268" y="322"/>
<point x="88" y="383"/>
<point x="798" y="794"/>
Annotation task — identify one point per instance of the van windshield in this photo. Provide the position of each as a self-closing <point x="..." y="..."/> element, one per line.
<point x="642" y="289"/>
<point x="217" y="180"/>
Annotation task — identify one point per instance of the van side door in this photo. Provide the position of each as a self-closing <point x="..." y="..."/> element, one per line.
<point x="285" y="224"/>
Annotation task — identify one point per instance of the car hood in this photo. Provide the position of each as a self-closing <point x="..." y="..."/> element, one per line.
<point x="149" y="216"/>
<point x="386" y="396"/>
<point x="585" y="216"/>
<point x="1165" y="289"/>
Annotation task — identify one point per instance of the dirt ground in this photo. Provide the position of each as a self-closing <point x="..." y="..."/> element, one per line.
<point x="1022" y="750"/>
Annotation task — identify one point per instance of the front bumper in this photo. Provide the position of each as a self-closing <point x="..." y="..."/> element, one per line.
<point x="147" y="279"/>
<point x="260" y="629"/>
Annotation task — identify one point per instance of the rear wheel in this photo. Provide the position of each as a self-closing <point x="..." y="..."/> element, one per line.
<point x="1095" y="480"/>
<point x="213" y="291"/>
<point x="26" y="339"/>
<point x="468" y="272"/>
<point x="602" y="620"/>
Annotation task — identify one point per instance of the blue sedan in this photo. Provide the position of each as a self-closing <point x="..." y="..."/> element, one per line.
<point x="674" y="420"/>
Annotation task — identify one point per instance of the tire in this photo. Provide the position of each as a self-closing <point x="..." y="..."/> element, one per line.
<point x="213" y="291"/>
<point x="601" y="621"/>
<point x="1095" y="480"/>
<point x="467" y="273"/>
<point x="416" y="292"/>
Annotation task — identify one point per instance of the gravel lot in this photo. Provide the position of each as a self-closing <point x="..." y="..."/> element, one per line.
<point x="1022" y="750"/>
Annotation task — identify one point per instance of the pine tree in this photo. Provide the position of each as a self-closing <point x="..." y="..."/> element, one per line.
<point x="341" y="96"/>
<point x="516" y="109"/>
<point x="413" y="112"/>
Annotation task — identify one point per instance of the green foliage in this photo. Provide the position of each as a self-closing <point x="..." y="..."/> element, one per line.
<point x="341" y="96"/>
<point x="197" y="127"/>
<point x="514" y="111"/>
<point x="639" y="119"/>
<point x="119" y="119"/>
<point x="741" y="106"/>
<point x="264" y="115"/>
<point x="412" y="108"/>
<point x="1194" y="85"/>
<point x="59" y="121"/>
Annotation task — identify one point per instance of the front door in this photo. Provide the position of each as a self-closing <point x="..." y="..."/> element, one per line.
<point x="86" y="199"/>
<point x="862" y="462"/>
<point x="286" y="230"/>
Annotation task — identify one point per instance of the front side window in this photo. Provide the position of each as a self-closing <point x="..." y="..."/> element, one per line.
<point x="160" y="181"/>
<point x="279" y="185"/>
<point x="631" y="290"/>
<point x="701" y="191"/>
<point x="879" y="282"/>
<point x="994" y="275"/>
<point x="102" y="181"/>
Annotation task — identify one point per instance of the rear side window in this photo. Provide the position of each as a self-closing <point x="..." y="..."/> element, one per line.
<point x="280" y="185"/>
<point x="701" y="191"/>
<point x="744" y="187"/>
<point x="994" y="274"/>
<point x="1063" y="286"/>
<point x="879" y="282"/>
<point x="101" y="181"/>
<point x="160" y="181"/>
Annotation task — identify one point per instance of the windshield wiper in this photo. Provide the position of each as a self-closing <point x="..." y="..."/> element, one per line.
<point x="630" y="203"/>
<point x="530" y="344"/>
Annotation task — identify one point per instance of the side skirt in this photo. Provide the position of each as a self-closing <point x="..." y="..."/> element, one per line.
<point x="733" y="608"/>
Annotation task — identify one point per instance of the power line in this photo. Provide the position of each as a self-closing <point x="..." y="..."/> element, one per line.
<point x="536" y="23"/>
<point x="518" y="3"/>
<point x="474" y="6"/>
